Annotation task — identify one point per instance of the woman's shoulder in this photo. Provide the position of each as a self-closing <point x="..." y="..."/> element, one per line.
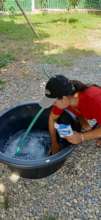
<point x="92" y="91"/>
<point x="90" y="95"/>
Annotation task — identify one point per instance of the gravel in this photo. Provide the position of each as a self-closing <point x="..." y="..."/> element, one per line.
<point x="74" y="191"/>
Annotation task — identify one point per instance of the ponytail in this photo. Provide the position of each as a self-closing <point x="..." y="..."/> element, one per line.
<point x="79" y="86"/>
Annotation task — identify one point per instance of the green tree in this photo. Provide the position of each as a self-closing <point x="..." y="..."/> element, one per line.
<point x="44" y="3"/>
<point x="1" y="4"/>
<point x="93" y="4"/>
<point x="73" y="3"/>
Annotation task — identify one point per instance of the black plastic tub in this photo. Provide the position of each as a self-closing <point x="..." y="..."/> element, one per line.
<point x="18" y="118"/>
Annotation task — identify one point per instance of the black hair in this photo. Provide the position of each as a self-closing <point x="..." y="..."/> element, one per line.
<point x="59" y="86"/>
<point x="80" y="86"/>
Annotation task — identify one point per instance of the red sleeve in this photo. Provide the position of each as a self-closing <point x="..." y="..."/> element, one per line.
<point x="57" y="111"/>
<point x="76" y="112"/>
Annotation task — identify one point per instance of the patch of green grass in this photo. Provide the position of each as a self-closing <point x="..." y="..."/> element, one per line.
<point x="72" y="20"/>
<point x="2" y="83"/>
<point x="49" y="217"/>
<point x="58" y="60"/>
<point x="59" y="31"/>
<point x="49" y="25"/>
<point x="5" y="59"/>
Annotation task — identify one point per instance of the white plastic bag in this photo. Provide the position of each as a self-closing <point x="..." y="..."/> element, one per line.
<point x="63" y="130"/>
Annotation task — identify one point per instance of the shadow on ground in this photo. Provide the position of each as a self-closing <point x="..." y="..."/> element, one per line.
<point x="20" y="32"/>
<point x="53" y="54"/>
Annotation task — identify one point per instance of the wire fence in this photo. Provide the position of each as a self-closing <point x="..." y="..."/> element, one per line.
<point x="10" y="5"/>
<point x="30" y="5"/>
<point x="62" y="4"/>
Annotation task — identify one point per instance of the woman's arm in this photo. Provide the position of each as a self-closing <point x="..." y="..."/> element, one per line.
<point x="77" y="137"/>
<point x="92" y="134"/>
<point x="55" y="146"/>
<point x="84" y="123"/>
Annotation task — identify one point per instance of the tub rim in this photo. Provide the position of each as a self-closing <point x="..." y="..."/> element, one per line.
<point x="50" y="160"/>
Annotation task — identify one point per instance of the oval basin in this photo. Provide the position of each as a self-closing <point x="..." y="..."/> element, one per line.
<point x="18" y="118"/>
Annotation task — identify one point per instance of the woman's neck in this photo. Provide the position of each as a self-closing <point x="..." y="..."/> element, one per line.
<point x="74" y="100"/>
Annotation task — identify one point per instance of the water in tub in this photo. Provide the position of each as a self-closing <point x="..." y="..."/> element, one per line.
<point x="36" y="146"/>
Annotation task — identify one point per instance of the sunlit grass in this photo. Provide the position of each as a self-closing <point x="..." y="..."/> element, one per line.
<point x="58" y="31"/>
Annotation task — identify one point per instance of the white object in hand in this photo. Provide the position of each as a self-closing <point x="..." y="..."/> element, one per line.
<point x="63" y="130"/>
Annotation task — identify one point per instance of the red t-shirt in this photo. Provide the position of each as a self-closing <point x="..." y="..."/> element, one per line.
<point x="89" y="105"/>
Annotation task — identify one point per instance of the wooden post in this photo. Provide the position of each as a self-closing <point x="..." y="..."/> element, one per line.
<point x="25" y="16"/>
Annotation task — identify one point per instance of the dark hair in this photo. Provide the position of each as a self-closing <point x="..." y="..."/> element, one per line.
<point x="80" y="86"/>
<point x="59" y="86"/>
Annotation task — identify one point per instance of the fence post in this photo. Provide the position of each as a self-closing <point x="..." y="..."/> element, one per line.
<point x="33" y="5"/>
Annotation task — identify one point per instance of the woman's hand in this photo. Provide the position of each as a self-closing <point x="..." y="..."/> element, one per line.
<point x="84" y="124"/>
<point x="55" y="146"/>
<point x="76" y="138"/>
<point x="54" y="149"/>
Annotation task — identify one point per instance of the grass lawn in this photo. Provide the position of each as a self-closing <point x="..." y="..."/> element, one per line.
<point x="62" y="37"/>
